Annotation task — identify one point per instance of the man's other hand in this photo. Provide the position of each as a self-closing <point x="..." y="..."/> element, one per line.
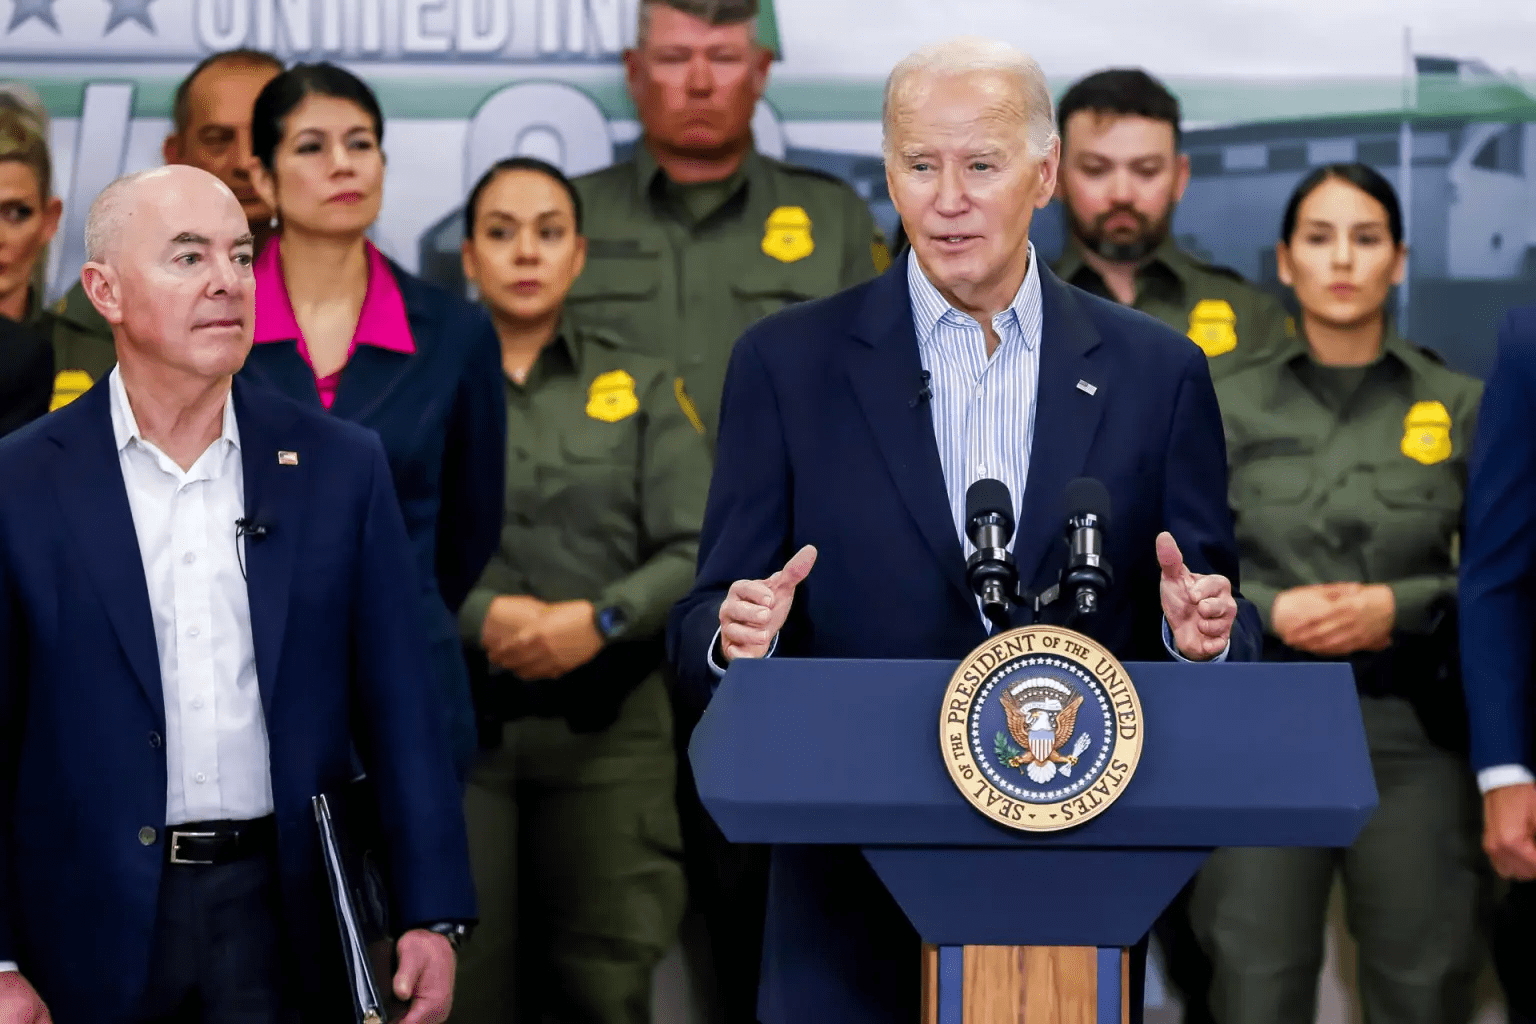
<point x="19" y="1001"/>
<point x="425" y="977"/>
<point x="1200" y="609"/>
<point x="1509" y="825"/>
<point x="754" y="611"/>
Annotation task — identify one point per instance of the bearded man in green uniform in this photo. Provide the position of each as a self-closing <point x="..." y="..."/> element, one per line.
<point x="700" y="235"/>
<point x="1122" y="175"/>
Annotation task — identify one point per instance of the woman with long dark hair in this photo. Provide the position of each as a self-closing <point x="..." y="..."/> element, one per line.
<point x="1348" y="456"/>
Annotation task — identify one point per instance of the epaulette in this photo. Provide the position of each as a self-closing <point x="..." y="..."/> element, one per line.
<point x="1430" y="354"/>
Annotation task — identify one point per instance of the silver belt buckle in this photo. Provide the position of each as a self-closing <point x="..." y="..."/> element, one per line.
<point x="177" y="837"/>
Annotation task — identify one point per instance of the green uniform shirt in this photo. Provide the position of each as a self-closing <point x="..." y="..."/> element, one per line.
<point x="607" y="474"/>
<point x="1349" y="474"/>
<point x="1230" y="319"/>
<point x="681" y="271"/>
<point x="83" y="352"/>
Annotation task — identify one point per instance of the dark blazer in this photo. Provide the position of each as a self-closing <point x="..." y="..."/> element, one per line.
<point x="340" y="657"/>
<point x="1498" y="555"/>
<point x="26" y="373"/>
<point x="441" y="412"/>
<point x="821" y="442"/>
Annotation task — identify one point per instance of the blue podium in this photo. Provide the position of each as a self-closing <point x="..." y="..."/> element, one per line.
<point x="810" y="752"/>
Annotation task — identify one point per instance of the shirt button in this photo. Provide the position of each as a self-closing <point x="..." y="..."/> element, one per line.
<point x="194" y="631"/>
<point x="154" y="740"/>
<point x="981" y="467"/>
<point x="147" y="836"/>
<point x="197" y="702"/>
<point x="188" y="558"/>
<point x="980" y="392"/>
<point x="200" y="777"/>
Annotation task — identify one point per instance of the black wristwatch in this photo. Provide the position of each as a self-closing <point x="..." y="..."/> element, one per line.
<point x="611" y="622"/>
<point x="456" y="932"/>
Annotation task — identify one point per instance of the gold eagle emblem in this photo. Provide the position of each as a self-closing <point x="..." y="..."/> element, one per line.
<point x="1042" y="726"/>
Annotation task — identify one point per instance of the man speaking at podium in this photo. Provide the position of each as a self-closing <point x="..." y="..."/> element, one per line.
<point x="852" y="427"/>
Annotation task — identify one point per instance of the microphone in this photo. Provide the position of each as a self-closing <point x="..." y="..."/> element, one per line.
<point x="1087" y="576"/>
<point x="249" y="528"/>
<point x="990" y="570"/>
<point x="926" y="394"/>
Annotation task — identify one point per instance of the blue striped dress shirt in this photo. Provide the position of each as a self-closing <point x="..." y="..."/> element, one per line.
<point x="983" y="407"/>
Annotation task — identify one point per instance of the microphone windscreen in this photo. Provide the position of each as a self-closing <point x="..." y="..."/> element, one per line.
<point x="1087" y="495"/>
<point x="988" y="496"/>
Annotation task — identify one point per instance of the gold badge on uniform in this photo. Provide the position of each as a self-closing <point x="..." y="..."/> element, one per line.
<point x="69" y="385"/>
<point x="1213" y="326"/>
<point x="689" y="409"/>
<point x="881" y="254"/>
<point x="1041" y="729"/>
<point x="787" y="235"/>
<point x="1427" y="433"/>
<point x="612" y="397"/>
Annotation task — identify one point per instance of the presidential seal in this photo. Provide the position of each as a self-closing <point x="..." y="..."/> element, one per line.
<point x="1041" y="729"/>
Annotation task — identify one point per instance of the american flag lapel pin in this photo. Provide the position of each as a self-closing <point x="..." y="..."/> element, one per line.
<point x="287" y="458"/>
<point x="1086" y="388"/>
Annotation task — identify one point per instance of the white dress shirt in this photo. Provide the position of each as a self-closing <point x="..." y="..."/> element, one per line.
<point x="216" y="756"/>
<point x="983" y="406"/>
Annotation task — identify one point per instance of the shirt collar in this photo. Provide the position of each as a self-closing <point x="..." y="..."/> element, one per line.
<point x="648" y="171"/>
<point x="125" y="428"/>
<point x="929" y="306"/>
<point x="1167" y="257"/>
<point x="381" y="323"/>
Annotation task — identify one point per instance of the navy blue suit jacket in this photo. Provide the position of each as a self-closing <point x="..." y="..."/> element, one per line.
<point x="1498" y="555"/>
<point x="441" y="412"/>
<point x="822" y="443"/>
<point x="340" y="657"/>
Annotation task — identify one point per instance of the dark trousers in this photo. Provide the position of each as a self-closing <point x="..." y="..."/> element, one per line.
<point x="217" y="955"/>
<point x="1514" y="950"/>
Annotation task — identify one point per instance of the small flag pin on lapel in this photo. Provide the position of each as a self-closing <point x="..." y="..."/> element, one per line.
<point x="287" y="458"/>
<point x="1086" y="388"/>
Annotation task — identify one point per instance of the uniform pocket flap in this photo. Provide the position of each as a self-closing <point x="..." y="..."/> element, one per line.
<point x="1416" y="487"/>
<point x="1272" y="481"/>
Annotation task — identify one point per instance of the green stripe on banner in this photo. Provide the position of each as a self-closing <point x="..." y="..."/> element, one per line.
<point x="1204" y="101"/>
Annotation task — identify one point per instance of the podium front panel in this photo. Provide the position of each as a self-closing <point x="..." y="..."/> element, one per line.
<point x="847" y="752"/>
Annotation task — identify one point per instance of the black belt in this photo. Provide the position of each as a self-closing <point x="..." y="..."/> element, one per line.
<point x="220" y="842"/>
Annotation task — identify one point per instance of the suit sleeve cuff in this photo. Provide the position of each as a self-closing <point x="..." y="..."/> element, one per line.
<point x="1173" y="649"/>
<point x="8" y="965"/>
<point x="1501" y="775"/>
<point x="716" y="655"/>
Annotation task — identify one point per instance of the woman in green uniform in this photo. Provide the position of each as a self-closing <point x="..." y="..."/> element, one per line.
<point x="573" y="825"/>
<point x="1348" y="457"/>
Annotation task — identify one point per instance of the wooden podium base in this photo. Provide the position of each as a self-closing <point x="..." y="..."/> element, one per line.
<point x="1025" y="985"/>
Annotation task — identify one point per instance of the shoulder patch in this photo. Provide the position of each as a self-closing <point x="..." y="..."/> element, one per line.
<point x="880" y="252"/>
<point x="686" y="404"/>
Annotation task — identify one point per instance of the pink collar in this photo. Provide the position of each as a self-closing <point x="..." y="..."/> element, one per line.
<point x="382" y="322"/>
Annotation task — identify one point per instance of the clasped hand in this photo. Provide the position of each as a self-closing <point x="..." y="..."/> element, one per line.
<point x="535" y="640"/>
<point x="1332" y="620"/>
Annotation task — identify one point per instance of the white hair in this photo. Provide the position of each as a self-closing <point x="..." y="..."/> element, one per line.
<point x="104" y="224"/>
<point x="972" y="55"/>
